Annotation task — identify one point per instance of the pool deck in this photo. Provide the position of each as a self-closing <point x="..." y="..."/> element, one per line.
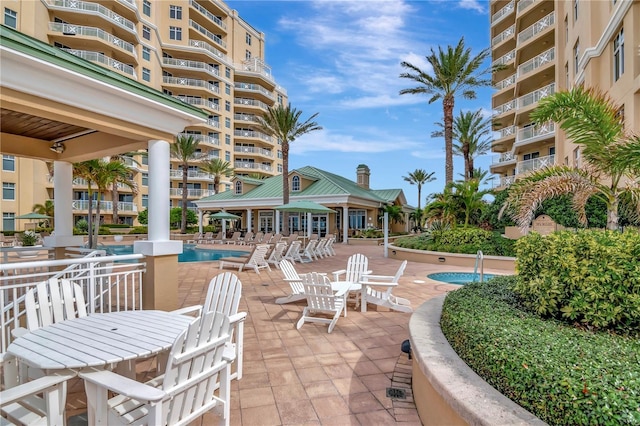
<point x="307" y="376"/>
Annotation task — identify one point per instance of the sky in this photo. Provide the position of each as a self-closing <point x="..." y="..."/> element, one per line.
<point x="341" y="59"/>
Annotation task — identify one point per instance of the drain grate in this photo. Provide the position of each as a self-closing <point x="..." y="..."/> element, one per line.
<point x="396" y="393"/>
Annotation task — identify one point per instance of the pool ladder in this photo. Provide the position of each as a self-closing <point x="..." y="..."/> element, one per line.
<point x="479" y="261"/>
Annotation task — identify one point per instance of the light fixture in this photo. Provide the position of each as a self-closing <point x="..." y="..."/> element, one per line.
<point x="57" y="147"/>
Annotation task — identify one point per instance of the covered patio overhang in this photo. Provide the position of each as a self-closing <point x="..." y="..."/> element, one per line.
<point x="57" y="107"/>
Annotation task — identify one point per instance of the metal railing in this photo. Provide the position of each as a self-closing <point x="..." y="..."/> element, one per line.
<point x="255" y="65"/>
<point x="534" y="164"/>
<point x="252" y="166"/>
<point x="200" y="102"/>
<point x="103" y="59"/>
<point x="479" y="261"/>
<point x="499" y="15"/>
<point x="192" y="65"/>
<point x="507" y="106"/>
<point x="192" y="82"/>
<point x="250" y="102"/>
<point x="253" y="150"/>
<point x="504" y="157"/>
<point x="532" y="132"/>
<point x="506" y="82"/>
<point x="210" y="49"/>
<point x="252" y="134"/>
<point x="213" y="37"/>
<point x="72" y="29"/>
<point x="123" y="206"/>
<point x="536" y="62"/>
<point x="507" y="57"/>
<point x="208" y="14"/>
<point x="93" y="8"/>
<point x="508" y="33"/>
<point x="254" y="88"/>
<point x="538" y="27"/>
<point x="536" y="95"/>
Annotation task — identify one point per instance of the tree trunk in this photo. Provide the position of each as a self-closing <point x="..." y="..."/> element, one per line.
<point x="470" y="167"/>
<point x="185" y="191"/>
<point x="419" y="195"/>
<point x="612" y="214"/>
<point x="114" y="199"/>
<point x="89" y="216"/>
<point x="468" y="173"/>
<point x="285" y="186"/>
<point x="447" y="107"/>
<point x="94" y="234"/>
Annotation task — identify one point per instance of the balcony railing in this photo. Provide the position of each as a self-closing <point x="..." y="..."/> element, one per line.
<point x="191" y="82"/>
<point x="98" y="57"/>
<point x="537" y="61"/>
<point x="191" y="193"/>
<point x="499" y="15"/>
<point x="534" y="164"/>
<point x="245" y="117"/>
<point x="69" y="29"/>
<point x="93" y="9"/>
<point x="253" y="150"/>
<point x="251" y="134"/>
<point x="250" y="102"/>
<point x="192" y="174"/>
<point x="256" y="65"/>
<point x="213" y="123"/>
<point x="508" y="106"/>
<point x="506" y="132"/>
<point x="506" y="181"/>
<point x="213" y="37"/>
<point x="105" y="206"/>
<point x="508" y="57"/>
<point x="506" y="82"/>
<point x="508" y="33"/>
<point x="191" y="65"/>
<point x="200" y="102"/>
<point x="211" y="140"/>
<point x="254" y="88"/>
<point x="252" y="166"/>
<point x="523" y="4"/>
<point x="533" y="132"/>
<point x="207" y="47"/>
<point x="504" y="157"/>
<point x="208" y="14"/>
<point x="537" y="28"/>
<point x="535" y="96"/>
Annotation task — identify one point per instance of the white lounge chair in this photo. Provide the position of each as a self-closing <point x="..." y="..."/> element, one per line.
<point x="293" y="252"/>
<point x="294" y="280"/>
<point x="235" y="238"/>
<point x="308" y="254"/>
<point x="376" y="289"/>
<point x="247" y="239"/>
<point x="275" y="257"/>
<point x="195" y="369"/>
<point x="321" y="300"/>
<point x="357" y="267"/>
<point x="256" y="260"/>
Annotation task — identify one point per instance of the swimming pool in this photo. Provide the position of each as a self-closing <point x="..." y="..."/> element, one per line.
<point x="459" y="278"/>
<point x="189" y="253"/>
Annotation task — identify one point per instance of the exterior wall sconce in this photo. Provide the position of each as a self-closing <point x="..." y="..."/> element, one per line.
<point x="441" y="259"/>
<point x="57" y="147"/>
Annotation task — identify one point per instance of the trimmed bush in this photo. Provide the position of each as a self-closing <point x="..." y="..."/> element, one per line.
<point x="460" y="240"/>
<point x="563" y="375"/>
<point x="588" y="277"/>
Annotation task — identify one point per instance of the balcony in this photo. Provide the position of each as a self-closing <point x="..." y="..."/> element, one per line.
<point x="213" y="123"/>
<point x="505" y="181"/>
<point x="99" y="58"/>
<point x="253" y="150"/>
<point x="191" y="82"/>
<point x="210" y="140"/>
<point x="211" y="36"/>
<point x="198" y="44"/>
<point x="534" y="164"/>
<point x="536" y="62"/>
<point x="200" y="102"/>
<point x="252" y="134"/>
<point x="252" y="166"/>
<point x="208" y="14"/>
<point x="537" y="28"/>
<point x="506" y="132"/>
<point x="508" y="33"/>
<point x="534" y="133"/>
<point x="245" y="117"/>
<point x="523" y="4"/>
<point x="105" y="206"/>
<point x="255" y="65"/>
<point x="505" y="83"/>
<point x="505" y="157"/>
<point x="535" y="96"/>
<point x="191" y="174"/>
<point x="250" y="102"/>
<point x="256" y="88"/>
<point x="92" y="9"/>
<point x="502" y="13"/>
<point x="191" y="193"/>
<point x="80" y="30"/>
<point x="191" y="65"/>
<point x="504" y="59"/>
<point x="508" y="106"/>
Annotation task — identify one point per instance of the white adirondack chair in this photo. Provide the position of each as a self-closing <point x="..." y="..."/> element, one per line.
<point x="357" y="267"/>
<point x="294" y="280"/>
<point x="38" y="402"/>
<point x="276" y="254"/>
<point x="308" y="254"/>
<point x="376" y="289"/>
<point x="255" y="261"/>
<point x="319" y="250"/>
<point x="321" y="300"/>
<point x="195" y="369"/>
<point x="329" y="247"/>
<point x="293" y="252"/>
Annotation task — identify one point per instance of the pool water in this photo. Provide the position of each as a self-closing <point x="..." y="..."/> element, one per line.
<point x="189" y="253"/>
<point x="459" y="278"/>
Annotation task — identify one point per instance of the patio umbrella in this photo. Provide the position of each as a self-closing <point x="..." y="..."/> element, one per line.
<point x="224" y="216"/>
<point x="304" y="207"/>
<point x="33" y="216"/>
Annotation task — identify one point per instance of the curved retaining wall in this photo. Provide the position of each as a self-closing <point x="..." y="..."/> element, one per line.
<point x="455" y="259"/>
<point x="445" y="390"/>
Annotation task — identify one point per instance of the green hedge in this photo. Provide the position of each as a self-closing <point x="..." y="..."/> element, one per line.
<point x="460" y="240"/>
<point x="563" y="375"/>
<point x="589" y="277"/>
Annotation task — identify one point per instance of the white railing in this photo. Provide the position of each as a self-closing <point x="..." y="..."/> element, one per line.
<point x="523" y="4"/>
<point x="208" y="14"/>
<point x="506" y="132"/>
<point x="536" y="95"/>
<point x="105" y="206"/>
<point x="534" y="164"/>
<point x="532" y="132"/>
<point x="191" y="193"/>
<point x="506" y="82"/>
<point x="110" y="283"/>
<point x="536" y="28"/>
<point x="70" y="29"/>
<point x="93" y="9"/>
<point x="507" y="57"/>
<point x="250" y="102"/>
<point x="245" y="117"/>
<point x="253" y="150"/>
<point x="256" y="65"/>
<point x="210" y="49"/>
<point x="252" y="134"/>
<point x="192" y="82"/>
<point x="192" y="65"/>
<point x="101" y="58"/>
<point x="504" y="157"/>
<point x="211" y="140"/>
<point x="499" y="15"/>
<point x="200" y="102"/>
<point x="507" y="106"/>
<point x="505" y="181"/>
<point x="213" y="123"/>
<point x="254" y="88"/>
<point x="202" y="30"/>
<point x="252" y="166"/>
<point x="536" y="62"/>
<point x="194" y="174"/>
<point x="508" y="33"/>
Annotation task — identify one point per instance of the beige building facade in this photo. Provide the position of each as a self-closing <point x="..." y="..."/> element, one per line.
<point x="200" y="52"/>
<point x="551" y="45"/>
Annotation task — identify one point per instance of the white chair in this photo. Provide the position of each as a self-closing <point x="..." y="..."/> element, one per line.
<point x="308" y="254"/>
<point x="276" y="254"/>
<point x="256" y="260"/>
<point x="321" y="300"/>
<point x="357" y="267"/>
<point x="195" y="369"/>
<point x="38" y="402"/>
<point x="204" y="239"/>
<point x="294" y="280"/>
<point x="376" y="289"/>
<point x="247" y="239"/>
<point x="196" y="237"/>
<point x="293" y="252"/>
<point x="235" y="238"/>
<point x="329" y="247"/>
<point x="319" y="250"/>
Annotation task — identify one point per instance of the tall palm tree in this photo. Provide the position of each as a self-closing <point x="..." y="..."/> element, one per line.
<point x="419" y="177"/>
<point x="185" y="149"/>
<point x="284" y="123"/>
<point x="444" y="207"/>
<point x="216" y="167"/>
<point x="610" y="170"/>
<point x="86" y="170"/>
<point x="115" y="193"/>
<point x="47" y="208"/>
<point x="455" y="72"/>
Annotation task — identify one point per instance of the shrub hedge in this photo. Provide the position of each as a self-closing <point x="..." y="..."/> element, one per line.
<point x="562" y="374"/>
<point x="588" y="277"/>
<point x="461" y="240"/>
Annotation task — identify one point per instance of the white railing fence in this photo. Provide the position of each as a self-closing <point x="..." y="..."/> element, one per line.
<point x="110" y="284"/>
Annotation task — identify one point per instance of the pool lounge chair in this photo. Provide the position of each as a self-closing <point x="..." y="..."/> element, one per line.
<point x="235" y="238"/>
<point x="256" y="260"/>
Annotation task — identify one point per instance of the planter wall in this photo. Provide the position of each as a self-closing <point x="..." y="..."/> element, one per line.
<point x="453" y="259"/>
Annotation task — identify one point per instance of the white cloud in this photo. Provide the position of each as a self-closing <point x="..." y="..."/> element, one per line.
<point x="429" y="154"/>
<point x="325" y="141"/>
<point x="471" y="5"/>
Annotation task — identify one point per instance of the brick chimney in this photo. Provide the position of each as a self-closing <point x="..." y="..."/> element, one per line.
<point x="362" y="173"/>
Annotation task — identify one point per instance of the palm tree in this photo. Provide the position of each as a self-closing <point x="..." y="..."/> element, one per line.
<point x="185" y="149"/>
<point x="115" y="195"/>
<point x="454" y="72"/>
<point x="47" y="208"/>
<point x="610" y="171"/>
<point x="85" y="170"/>
<point x="419" y="177"/>
<point x="443" y="207"/>
<point x="395" y="214"/>
<point x="284" y="123"/>
<point x="470" y="196"/>
<point x="216" y="167"/>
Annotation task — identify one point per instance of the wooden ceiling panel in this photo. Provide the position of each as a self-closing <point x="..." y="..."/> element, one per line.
<point x="21" y="124"/>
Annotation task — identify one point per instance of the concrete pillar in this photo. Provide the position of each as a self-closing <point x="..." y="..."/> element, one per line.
<point x="200" y="219"/>
<point x="277" y="224"/>
<point x="63" y="210"/>
<point x="345" y="224"/>
<point x="249" y="220"/>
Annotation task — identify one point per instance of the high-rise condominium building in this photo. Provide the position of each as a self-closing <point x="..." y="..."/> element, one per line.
<point x="199" y="51"/>
<point x="551" y="45"/>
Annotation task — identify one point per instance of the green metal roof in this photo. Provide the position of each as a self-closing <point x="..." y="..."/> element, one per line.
<point x="33" y="47"/>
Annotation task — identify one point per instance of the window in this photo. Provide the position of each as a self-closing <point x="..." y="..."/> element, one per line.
<point x="146" y="32"/>
<point x="227" y="156"/>
<point x="227" y="88"/>
<point x="247" y="54"/>
<point x="280" y="154"/>
<point x="8" y="191"/>
<point x="227" y="72"/>
<point x="175" y="12"/>
<point x="620" y="114"/>
<point x="279" y="168"/>
<point x="357" y="219"/>
<point x="248" y="39"/>
<point x="146" y="53"/>
<point x="238" y="187"/>
<point x="530" y="156"/>
<point x="566" y="29"/>
<point x="576" y="56"/>
<point x="146" y="7"/>
<point x="227" y="139"/>
<point x="175" y="33"/>
<point x="567" y="82"/>
<point x="575" y="10"/>
<point x="8" y="221"/>
<point x="279" y="99"/>
<point x="145" y="160"/>
<point x="146" y="74"/>
<point x="618" y="55"/>
<point x="10" y="18"/>
<point x="576" y="157"/>
<point x="145" y="200"/>
<point x="8" y="163"/>
<point x="227" y="106"/>
<point x="295" y="184"/>
<point x="227" y="122"/>
<point x="552" y="150"/>
<point x="145" y="179"/>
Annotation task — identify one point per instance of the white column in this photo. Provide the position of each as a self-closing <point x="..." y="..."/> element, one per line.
<point x="63" y="207"/>
<point x="309" y="225"/>
<point x="277" y="224"/>
<point x="345" y="224"/>
<point x="249" y="220"/>
<point x="200" y="219"/>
